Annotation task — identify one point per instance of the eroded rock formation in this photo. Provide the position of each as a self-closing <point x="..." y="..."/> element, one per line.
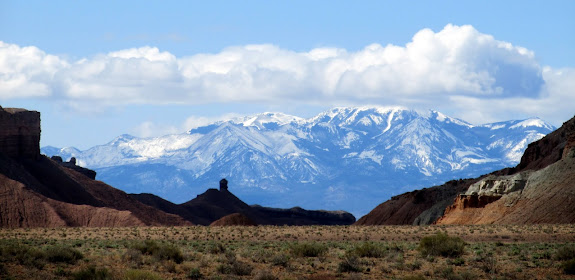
<point x="215" y="204"/>
<point x="19" y="133"/>
<point x="540" y="189"/>
<point x="546" y="195"/>
<point x="417" y="207"/>
<point x="36" y="191"/>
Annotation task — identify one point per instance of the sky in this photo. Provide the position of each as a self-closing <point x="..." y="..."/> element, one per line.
<point x="99" y="69"/>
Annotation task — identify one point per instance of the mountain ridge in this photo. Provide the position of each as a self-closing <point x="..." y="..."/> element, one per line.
<point x="346" y="156"/>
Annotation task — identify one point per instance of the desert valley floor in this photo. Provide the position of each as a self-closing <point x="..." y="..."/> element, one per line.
<point x="272" y="252"/>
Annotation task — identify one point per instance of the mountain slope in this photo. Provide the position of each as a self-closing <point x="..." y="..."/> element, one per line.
<point x="540" y="189"/>
<point x="344" y="158"/>
<point x="36" y="191"/>
<point x="40" y="193"/>
<point x="416" y="207"/>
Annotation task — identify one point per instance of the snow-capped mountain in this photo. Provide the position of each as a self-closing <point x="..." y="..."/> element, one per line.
<point x="344" y="158"/>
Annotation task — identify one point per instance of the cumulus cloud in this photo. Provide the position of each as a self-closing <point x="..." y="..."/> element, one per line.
<point x="554" y="105"/>
<point x="457" y="64"/>
<point x="154" y="129"/>
<point x="27" y="71"/>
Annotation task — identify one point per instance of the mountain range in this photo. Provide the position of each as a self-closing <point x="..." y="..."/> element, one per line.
<point x="37" y="191"/>
<point x="345" y="158"/>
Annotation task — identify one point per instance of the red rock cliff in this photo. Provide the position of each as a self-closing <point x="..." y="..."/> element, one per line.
<point x="19" y="133"/>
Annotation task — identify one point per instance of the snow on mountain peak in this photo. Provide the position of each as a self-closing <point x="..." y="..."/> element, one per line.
<point x="531" y="122"/>
<point x="446" y="119"/>
<point x="261" y="120"/>
<point x="348" y="148"/>
<point x="365" y="115"/>
<point x="122" y="139"/>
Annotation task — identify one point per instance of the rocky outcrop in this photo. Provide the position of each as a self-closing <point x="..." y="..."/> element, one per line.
<point x="546" y="195"/>
<point x="416" y="207"/>
<point x="300" y="216"/>
<point x="40" y="193"/>
<point x="235" y="219"/>
<point x="547" y="150"/>
<point x="514" y="195"/>
<point x="116" y="199"/>
<point x="21" y="207"/>
<point x="36" y="191"/>
<point x="19" y="133"/>
<point x="215" y="204"/>
<point x="72" y="165"/>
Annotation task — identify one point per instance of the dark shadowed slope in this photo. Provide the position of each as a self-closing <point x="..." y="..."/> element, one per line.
<point x="215" y="204"/>
<point x="36" y="191"/>
<point x="235" y="219"/>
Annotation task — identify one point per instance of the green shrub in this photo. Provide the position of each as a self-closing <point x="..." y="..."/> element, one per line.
<point x="147" y="247"/>
<point x="350" y="263"/>
<point x="195" y="274"/>
<point x="169" y="252"/>
<point x="241" y="268"/>
<point x="135" y="274"/>
<point x="487" y="262"/>
<point x="565" y="253"/>
<point x="457" y="262"/>
<point x="61" y="272"/>
<point x="264" y="275"/>
<point x="224" y="269"/>
<point x="236" y="268"/>
<point x="414" y="277"/>
<point x="369" y="250"/>
<point x="63" y="254"/>
<point x="308" y="249"/>
<point x="159" y="251"/>
<point x="22" y="254"/>
<point x="233" y="266"/>
<point x="446" y="273"/>
<point x="440" y="244"/>
<point x="280" y="260"/>
<point x="134" y="257"/>
<point x="569" y="267"/>
<point x="414" y="265"/>
<point x="217" y="248"/>
<point x="92" y="273"/>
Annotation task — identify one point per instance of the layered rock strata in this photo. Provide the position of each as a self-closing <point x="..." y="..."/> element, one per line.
<point x="19" y="133"/>
<point x="531" y="197"/>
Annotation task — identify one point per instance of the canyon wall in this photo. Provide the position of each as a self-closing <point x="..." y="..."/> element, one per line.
<point x="19" y="133"/>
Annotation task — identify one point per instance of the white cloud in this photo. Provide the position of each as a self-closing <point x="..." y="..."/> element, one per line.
<point x="27" y="71"/>
<point x="458" y="64"/>
<point x="555" y="103"/>
<point x="199" y="121"/>
<point x="153" y="129"/>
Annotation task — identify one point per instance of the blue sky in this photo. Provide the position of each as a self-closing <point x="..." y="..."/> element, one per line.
<point x="99" y="69"/>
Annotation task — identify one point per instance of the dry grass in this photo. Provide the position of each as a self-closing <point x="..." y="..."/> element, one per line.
<point x="269" y="252"/>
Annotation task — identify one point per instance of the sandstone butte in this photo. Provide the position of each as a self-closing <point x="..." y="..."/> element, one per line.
<point x="540" y="189"/>
<point x="36" y="191"/>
